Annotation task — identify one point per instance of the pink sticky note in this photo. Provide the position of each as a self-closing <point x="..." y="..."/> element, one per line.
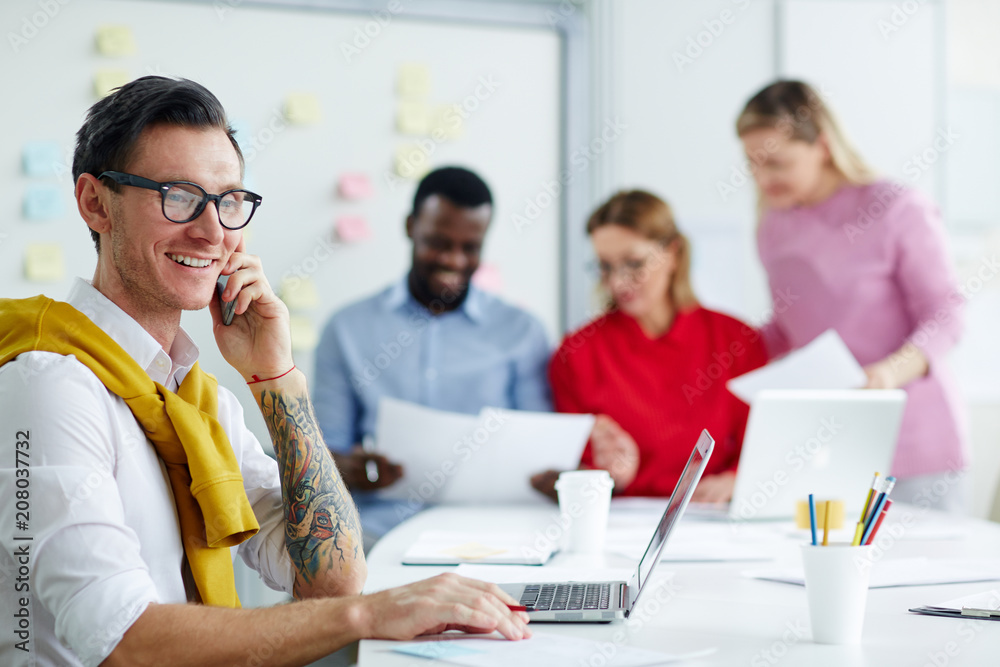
<point x="355" y="186"/>
<point x="352" y="228"/>
<point x="488" y="278"/>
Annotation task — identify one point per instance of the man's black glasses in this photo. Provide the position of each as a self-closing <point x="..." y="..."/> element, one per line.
<point x="183" y="201"/>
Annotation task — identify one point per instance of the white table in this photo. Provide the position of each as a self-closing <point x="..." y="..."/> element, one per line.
<point x="747" y="621"/>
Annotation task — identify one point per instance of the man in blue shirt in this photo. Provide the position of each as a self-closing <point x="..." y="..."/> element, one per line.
<point x="431" y="338"/>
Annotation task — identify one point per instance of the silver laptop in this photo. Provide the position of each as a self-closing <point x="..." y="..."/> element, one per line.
<point x="601" y="602"/>
<point x="801" y="441"/>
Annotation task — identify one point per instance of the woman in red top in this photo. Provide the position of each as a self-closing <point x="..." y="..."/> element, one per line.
<point x="654" y="367"/>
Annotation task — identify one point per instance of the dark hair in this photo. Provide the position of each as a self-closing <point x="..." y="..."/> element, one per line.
<point x="108" y="138"/>
<point x="457" y="185"/>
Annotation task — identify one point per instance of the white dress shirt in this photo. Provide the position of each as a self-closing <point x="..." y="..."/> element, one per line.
<point x="104" y="535"/>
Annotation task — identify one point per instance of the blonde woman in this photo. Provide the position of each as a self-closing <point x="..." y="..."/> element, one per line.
<point x="868" y="258"/>
<point x="654" y="367"/>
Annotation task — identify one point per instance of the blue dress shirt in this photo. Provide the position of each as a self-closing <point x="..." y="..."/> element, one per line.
<point x="483" y="353"/>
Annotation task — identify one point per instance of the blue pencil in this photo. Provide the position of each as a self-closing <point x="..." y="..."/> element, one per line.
<point x="873" y="519"/>
<point x="812" y="517"/>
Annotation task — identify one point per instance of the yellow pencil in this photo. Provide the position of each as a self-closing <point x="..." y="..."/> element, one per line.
<point x="826" y="523"/>
<point x="858" y="532"/>
<point x="868" y="501"/>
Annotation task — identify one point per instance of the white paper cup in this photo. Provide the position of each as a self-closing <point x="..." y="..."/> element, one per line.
<point x="584" y="502"/>
<point x="837" y="590"/>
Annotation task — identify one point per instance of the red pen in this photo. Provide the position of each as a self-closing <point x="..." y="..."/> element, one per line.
<point x="878" y="522"/>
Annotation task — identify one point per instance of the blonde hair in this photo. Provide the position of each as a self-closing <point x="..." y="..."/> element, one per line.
<point x="651" y="217"/>
<point x="797" y="110"/>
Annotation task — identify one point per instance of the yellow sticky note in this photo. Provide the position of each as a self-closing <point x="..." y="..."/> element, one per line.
<point x="413" y="80"/>
<point x="411" y="117"/>
<point x="115" y="41"/>
<point x="472" y="551"/>
<point x="411" y="161"/>
<point x="299" y="293"/>
<point x="43" y="263"/>
<point x="107" y="80"/>
<point x="304" y="336"/>
<point x="447" y="121"/>
<point x="302" y="108"/>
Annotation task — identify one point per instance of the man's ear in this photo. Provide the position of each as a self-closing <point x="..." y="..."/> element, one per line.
<point x="410" y="223"/>
<point x="93" y="202"/>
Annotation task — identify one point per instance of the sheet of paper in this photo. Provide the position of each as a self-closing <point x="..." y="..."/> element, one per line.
<point x="107" y="80"/>
<point x="43" y="202"/>
<point x="988" y="600"/>
<point x="825" y="363"/>
<point x="115" y="41"/>
<point x="39" y="158"/>
<point x="487" y="458"/>
<point x="43" y="262"/>
<point x="413" y="80"/>
<point x="453" y="547"/>
<point x="354" y="185"/>
<point x="303" y="109"/>
<point x="890" y="573"/>
<point x="352" y="228"/>
<point x="514" y="574"/>
<point x="541" y="650"/>
<point x="507" y="447"/>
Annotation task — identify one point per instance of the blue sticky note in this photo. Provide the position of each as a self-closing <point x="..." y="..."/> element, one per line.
<point x="43" y="202"/>
<point x="40" y="158"/>
<point x="435" y="650"/>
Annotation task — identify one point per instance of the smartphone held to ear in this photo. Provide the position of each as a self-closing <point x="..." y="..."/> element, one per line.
<point x="227" y="306"/>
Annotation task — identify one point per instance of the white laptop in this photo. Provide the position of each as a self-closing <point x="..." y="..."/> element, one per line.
<point x="801" y="441"/>
<point x="601" y="602"/>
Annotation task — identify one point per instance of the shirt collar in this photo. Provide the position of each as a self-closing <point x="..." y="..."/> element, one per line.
<point x="398" y="297"/>
<point x="169" y="370"/>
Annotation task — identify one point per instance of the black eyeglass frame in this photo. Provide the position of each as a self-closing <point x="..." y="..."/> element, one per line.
<point x="139" y="182"/>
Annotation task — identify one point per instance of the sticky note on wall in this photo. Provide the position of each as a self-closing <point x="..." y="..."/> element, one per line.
<point x="303" y="333"/>
<point x="352" y="228"/>
<point x="411" y="161"/>
<point x="488" y="278"/>
<point x="42" y="202"/>
<point x="40" y="158"/>
<point x="412" y="117"/>
<point x="43" y="263"/>
<point x="355" y="186"/>
<point x="115" y="41"/>
<point x="299" y="293"/>
<point x="107" y="80"/>
<point x="447" y="122"/>
<point x="413" y="80"/>
<point x="302" y="109"/>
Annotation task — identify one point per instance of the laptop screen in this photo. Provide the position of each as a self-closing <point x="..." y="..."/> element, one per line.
<point x="675" y="508"/>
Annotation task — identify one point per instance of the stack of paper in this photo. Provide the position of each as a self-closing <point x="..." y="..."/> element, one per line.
<point x="448" y="547"/>
<point x="892" y="572"/>
<point x="980" y="606"/>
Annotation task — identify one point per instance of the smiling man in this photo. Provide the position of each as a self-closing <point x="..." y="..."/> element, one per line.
<point x="128" y="472"/>
<point x="432" y="338"/>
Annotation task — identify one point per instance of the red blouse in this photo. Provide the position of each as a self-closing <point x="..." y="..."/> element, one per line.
<point x="662" y="391"/>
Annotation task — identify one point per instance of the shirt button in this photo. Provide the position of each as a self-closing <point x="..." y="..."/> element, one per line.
<point x="431" y="374"/>
<point x="161" y="363"/>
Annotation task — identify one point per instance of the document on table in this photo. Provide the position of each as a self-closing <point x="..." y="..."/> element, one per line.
<point x="688" y="545"/>
<point x="541" y="650"/>
<point x="894" y="572"/>
<point x="978" y="606"/>
<point x="487" y="458"/>
<point x="825" y="363"/>
<point x="452" y="547"/>
<point x="513" y="574"/>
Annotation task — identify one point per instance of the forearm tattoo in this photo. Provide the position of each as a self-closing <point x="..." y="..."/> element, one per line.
<point x="322" y="530"/>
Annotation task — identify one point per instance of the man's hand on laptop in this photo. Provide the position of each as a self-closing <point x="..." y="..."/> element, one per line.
<point x="356" y="470"/>
<point x="444" y="602"/>
<point x="715" y="488"/>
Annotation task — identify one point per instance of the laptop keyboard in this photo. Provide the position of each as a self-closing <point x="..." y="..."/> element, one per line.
<point x="549" y="597"/>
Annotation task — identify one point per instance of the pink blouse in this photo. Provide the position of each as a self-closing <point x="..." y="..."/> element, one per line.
<point x="871" y="262"/>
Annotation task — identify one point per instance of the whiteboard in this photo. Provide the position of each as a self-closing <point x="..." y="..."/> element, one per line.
<point x="506" y="78"/>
